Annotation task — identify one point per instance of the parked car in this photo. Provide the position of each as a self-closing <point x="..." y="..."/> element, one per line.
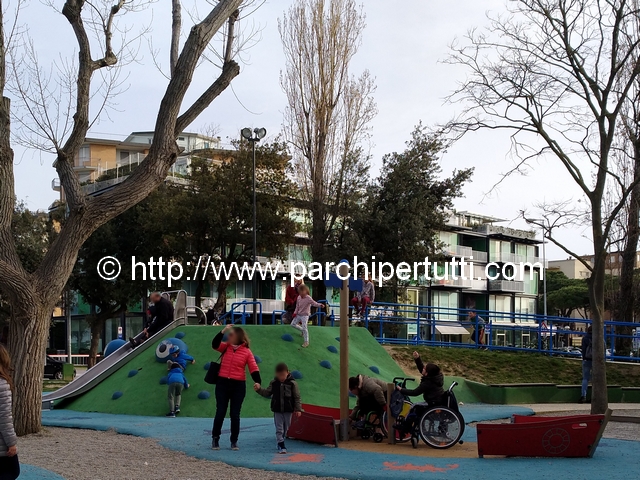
<point x="53" y="369"/>
<point x="568" y="351"/>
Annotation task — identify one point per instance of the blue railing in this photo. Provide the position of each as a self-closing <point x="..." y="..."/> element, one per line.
<point x="423" y="325"/>
<point x="403" y="324"/>
<point x="236" y="316"/>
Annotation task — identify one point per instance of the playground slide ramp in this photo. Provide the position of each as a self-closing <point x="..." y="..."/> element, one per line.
<point x="103" y="369"/>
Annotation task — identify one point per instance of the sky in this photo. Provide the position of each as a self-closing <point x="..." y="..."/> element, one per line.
<point x="403" y="46"/>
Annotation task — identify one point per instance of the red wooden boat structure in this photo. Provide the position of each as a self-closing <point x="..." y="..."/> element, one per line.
<point x="570" y="436"/>
<point x="316" y="424"/>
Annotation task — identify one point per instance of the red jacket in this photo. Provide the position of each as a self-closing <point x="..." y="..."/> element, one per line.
<point x="235" y="360"/>
<point x="291" y="295"/>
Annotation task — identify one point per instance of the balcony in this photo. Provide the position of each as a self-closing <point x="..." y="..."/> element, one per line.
<point x="506" y="286"/>
<point x="534" y="260"/>
<point x="479" y="285"/>
<point x="480" y="257"/>
<point x="458" y="251"/>
<point x="454" y="283"/>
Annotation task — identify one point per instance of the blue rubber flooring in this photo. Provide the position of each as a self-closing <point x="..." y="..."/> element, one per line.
<point x="614" y="459"/>
<point x="29" y="472"/>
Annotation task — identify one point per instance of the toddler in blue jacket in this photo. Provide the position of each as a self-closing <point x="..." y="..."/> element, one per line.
<point x="177" y="382"/>
<point x="179" y="357"/>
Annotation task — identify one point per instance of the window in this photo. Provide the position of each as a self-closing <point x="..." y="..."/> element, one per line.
<point x="445" y="301"/>
<point x="526" y="306"/>
<point x="449" y="239"/>
<point x="500" y="303"/>
<point x="84" y="155"/>
<point x="494" y="250"/>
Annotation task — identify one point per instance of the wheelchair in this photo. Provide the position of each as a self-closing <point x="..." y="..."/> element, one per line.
<point x="367" y="427"/>
<point x="439" y="424"/>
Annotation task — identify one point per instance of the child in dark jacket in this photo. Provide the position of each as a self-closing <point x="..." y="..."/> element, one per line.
<point x="431" y="384"/>
<point x="176" y="382"/>
<point x="285" y="401"/>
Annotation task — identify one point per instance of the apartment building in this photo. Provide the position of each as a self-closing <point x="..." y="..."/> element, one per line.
<point x="508" y="256"/>
<point x="102" y="163"/>
<point x="571" y="267"/>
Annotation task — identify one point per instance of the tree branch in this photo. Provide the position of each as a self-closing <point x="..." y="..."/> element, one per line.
<point x="72" y="10"/>
<point x="176" y="30"/>
<point x="230" y="71"/>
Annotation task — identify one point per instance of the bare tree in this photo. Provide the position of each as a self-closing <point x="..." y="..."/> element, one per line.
<point x="627" y="157"/>
<point x="557" y="73"/>
<point x="33" y="294"/>
<point x="328" y="111"/>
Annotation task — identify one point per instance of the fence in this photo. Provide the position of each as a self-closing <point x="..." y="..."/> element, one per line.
<point x="449" y="327"/>
<point x="403" y="324"/>
<point x="77" y="360"/>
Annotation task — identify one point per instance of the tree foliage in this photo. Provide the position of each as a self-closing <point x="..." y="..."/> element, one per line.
<point x="566" y="295"/>
<point x="408" y="204"/>
<point x="32" y="233"/>
<point x="213" y="215"/>
<point x="132" y="234"/>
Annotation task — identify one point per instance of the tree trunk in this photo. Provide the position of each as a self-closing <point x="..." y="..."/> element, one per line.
<point x="199" y="289"/>
<point x="28" y="332"/>
<point x="97" y="324"/>
<point x="627" y="301"/>
<point x="318" y="239"/>
<point x="599" y="392"/>
<point x="221" y="301"/>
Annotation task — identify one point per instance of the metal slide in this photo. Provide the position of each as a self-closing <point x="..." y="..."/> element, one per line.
<point x="114" y="361"/>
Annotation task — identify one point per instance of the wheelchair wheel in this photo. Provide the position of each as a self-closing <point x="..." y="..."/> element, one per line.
<point x="400" y="436"/>
<point x="378" y="437"/>
<point x="441" y="427"/>
<point x="365" y="435"/>
<point x="414" y="441"/>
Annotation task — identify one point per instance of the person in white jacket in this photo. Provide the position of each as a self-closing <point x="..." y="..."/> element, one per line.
<point x="9" y="465"/>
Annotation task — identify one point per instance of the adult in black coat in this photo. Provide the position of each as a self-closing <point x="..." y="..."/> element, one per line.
<point x="160" y="315"/>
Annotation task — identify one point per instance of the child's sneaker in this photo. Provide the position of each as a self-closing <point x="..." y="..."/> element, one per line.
<point x="177" y="410"/>
<point x="215" y="443"/>
<point x="281" y="448"/>
<point x="234" y="446"/>
<point x="170" y="415"/>
<point x="305" y="344"/>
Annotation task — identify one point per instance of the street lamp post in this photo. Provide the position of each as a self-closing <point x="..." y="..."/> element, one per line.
<point x="540" y="222"/>
<point x="254" y="136"/>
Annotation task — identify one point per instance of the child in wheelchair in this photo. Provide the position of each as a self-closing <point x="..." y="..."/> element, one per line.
<point x="431" y="383"/>
<point x="432" y="391"/>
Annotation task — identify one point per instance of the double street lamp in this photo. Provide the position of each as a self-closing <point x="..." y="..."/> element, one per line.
<point x="253" y="137"/>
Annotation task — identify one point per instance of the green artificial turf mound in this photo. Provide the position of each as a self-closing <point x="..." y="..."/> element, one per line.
<point x="143" y="394"/>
